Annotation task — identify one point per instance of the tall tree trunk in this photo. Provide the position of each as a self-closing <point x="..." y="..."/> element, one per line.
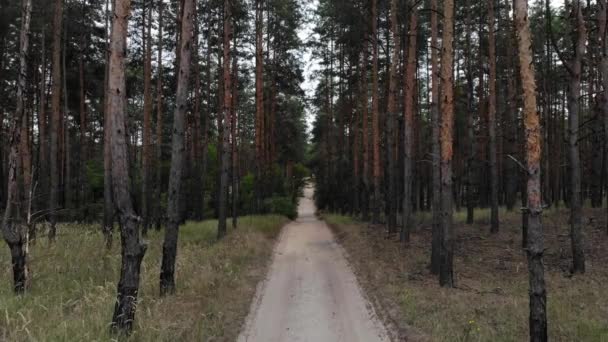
<point x="108" y="212"/>
<point x="3" y="190"/>
<point x="259" y="100"/>
<point x="66" y="150"/>
<point x="375" y="115"/>
<point x="225" y="122"/>
<point x="494" y="227"/>
<point x="435" y="147"/>
<point x="14" y="231"/>
<point x="83" y="155"/>
<point x="602" y="34"/>
<point x="55" y="118"/>
<point x="511" y="168"/>
<point x="43" y="154"/>
<point x="410" y="97"/>
<point x="574" y="95"/>
<point x="204" y="160"/>
<point x="25" y="152"/>
<point x="146" y="193"/>
<point x="535" y="248"/>
<point x="167" y="273"/>
<point x="159" y="119"/>
<point x="355" y="131"/>
<point x="196" y="191"/>
<point x="393" y="93"/>
<point x="365" y="130"/>
<point x="133" y="249"/>
<point x="234" y="136"/>
<point x="446" y="274"/>
<point x="470" y="190"/>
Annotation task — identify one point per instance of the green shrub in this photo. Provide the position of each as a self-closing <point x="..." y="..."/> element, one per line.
<point x="281" y="206"/>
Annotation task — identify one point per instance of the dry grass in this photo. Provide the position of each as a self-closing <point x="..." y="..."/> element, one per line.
<point x="490" y="302"/>
<point x="74" y="285"/>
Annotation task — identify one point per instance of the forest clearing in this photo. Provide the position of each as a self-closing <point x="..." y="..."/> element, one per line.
<point x="152" y="152"/>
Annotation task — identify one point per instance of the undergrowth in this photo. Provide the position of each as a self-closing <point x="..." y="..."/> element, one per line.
<point x="490" y="301"/>
<point x="73" y="285"/>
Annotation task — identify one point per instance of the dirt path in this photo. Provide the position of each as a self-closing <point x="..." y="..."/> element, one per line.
<point x="311" y="294"/>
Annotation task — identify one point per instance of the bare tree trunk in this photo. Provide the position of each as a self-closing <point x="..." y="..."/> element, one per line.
<point x="602" y="34"/>
<point x="159" y="118"/>
<point x="66" y="152"/>
<point x="146" y="193"/>
<point x="167" y="273"/>
<point x="375" y="113"/>
<point x="511" y="168"/>
<point x="13" y="229"/>
<point x="2" y="152"/>
<point x="207" y="119"/>
<point x="83" y="155"/>
<point x="25" y="152"/>
<point x="108" y="207"/>
<point x="393" y="91"/>
<point x="133" y="249"/>
<point x="56" y="117"/>
<point x="435" y="147"/>
<point x="446" y="274"/>
<point x="574" y="94"/>
<point x="492" y="121"/>
<point x="234" y="136"/>
<point x="470" y="193"/>
<point x="259" y="100"/>
<point x="355" y="131"/>
<point x="43" y="154"/>
<point x="196" y="191"/>
<point x="535" y="248"/>
<point x="408" y="122"/>
<point x="365" y="130"/>
<point x="225" y="122"/>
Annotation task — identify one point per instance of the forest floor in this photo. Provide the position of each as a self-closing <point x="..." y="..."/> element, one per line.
<point x="490" y="301"/>
<point x="311" y="294"/>
<point x="73" y="285"/>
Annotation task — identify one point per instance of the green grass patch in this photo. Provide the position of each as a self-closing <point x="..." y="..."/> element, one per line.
<point x="73" y="285"/>
<point x="334" y="219"/>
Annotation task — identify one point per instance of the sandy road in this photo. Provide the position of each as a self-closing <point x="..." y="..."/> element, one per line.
<point x="310" y="294"/>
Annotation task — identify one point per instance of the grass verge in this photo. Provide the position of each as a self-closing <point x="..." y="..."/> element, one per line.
<point x="73" y="285"/>
<point x="490" y="302"/>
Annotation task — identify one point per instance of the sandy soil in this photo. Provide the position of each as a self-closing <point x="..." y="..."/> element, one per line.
<point x="310" y="294"/>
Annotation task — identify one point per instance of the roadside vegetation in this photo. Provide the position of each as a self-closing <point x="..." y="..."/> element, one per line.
<point x="490" y="298"/>
<point x="73" y="285"/>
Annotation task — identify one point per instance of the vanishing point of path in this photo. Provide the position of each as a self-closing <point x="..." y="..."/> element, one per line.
<point x="310" y="294"/>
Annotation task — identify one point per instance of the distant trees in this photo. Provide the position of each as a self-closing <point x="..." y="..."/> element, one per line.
<point x="488" y="134"/>
<point x="91" y="132"/>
